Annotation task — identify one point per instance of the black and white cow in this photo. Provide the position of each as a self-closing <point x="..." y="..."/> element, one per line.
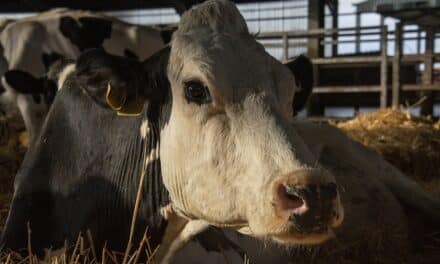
<point x="30" y="45"/>
<point x="208" y="122"/>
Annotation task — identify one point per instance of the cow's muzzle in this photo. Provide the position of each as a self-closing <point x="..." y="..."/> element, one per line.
<point x="308" y="201"/>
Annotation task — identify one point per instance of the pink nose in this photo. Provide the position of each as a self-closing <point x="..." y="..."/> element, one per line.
<point x="307" y="206"/>
<point x="289" y="200"/>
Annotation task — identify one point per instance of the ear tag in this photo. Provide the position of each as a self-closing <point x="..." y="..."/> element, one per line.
<point x="115" y="97"/>
<point x="131" y="108"/>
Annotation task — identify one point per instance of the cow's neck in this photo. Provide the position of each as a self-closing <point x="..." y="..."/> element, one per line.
<point x="154" y="195"/>
<point x="179" y="230"/>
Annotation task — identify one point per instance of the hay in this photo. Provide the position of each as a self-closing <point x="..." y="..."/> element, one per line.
<point x="410" y="143"/>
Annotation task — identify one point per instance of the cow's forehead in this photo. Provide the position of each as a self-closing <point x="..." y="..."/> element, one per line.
<point x="213" y="45"/>
<point x="217" y="15"/>
<point x="231" y="65"/>
<point x="225" y="63"/>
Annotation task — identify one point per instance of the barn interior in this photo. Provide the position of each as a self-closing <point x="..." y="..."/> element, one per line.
<point x="376" y="67"/>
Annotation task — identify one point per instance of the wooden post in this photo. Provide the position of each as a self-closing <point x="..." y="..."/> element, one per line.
<point x="335" y="26"/>
<point x="285" y="47"/>
<point x="427" y="106"/>
<point x="315" y="21"/>
<point x="384" y="67"/>
<point x="418" y="40"/>
<point x="358" y="33"/>
<point x="396" y="65"/>
<point x="315" y="50"/>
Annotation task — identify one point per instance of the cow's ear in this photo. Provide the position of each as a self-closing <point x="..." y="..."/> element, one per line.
<point x="123" y="84"/>
<point x="152" y="89"/>
<point x="110" y="80"/>
<point x="302" y="69"/>
<point x="24" y="82"/>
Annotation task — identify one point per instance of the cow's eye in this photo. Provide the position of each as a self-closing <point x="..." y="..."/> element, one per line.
<point x="196" y="92"/>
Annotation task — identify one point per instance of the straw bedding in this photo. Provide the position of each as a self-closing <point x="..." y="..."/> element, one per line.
<point x="410" y="143"/>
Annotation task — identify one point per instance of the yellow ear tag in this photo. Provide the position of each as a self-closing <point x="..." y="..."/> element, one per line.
<point x="131" y="108"/>
<point x="115" y="97"/>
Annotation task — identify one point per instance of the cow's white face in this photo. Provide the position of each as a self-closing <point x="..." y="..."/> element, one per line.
<point x="228" y="155"/>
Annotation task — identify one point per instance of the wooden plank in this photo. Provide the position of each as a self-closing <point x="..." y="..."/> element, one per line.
<point x="396" y="66"/>
<point x="318" y="32"/>
<point x="413" y="58"/>
<point x="421" y="87"/>
<point x="384" y="68"/>
<point x="339" y="60"/>
<point x="347" y="89"/>
<point x="291" y="45"/>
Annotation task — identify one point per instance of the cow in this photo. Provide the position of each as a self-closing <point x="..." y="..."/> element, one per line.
<point x="30" y="45"/>
<point x="203" y="131"/>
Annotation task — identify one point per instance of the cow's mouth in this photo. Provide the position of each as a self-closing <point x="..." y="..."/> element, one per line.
<point x="294" y="236"/>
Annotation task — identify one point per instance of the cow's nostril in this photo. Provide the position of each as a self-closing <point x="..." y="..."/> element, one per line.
<point x="289" y="199"/>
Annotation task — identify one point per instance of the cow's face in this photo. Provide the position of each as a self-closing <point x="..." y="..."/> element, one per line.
<point x="228" y="155"/>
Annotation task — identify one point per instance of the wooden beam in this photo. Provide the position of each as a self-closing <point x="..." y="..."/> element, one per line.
<point x="358" y="35"/>
<point x="335" y="12"/>
<point x="315" y="21"/>
<point x="340" y="60"/>
<point x="319" y="32"/>
<point x="421" y="87"/>
<point x="384" y="68"/>
<point x="347" y="89"/>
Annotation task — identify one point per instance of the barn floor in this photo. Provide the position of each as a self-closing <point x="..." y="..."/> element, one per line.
<point x="412" y="144"/>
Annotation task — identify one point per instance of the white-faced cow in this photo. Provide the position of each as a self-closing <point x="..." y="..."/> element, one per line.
<point x="31" y="44"/>
<point x="210" y="127"/>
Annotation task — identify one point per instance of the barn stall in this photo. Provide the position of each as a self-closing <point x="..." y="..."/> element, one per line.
<point x="409" y="142"/>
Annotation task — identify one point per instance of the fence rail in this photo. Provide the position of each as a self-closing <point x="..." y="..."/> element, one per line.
<point x="384" y="36"/>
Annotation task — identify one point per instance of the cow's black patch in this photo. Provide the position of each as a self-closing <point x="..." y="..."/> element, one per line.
<point x="130" y="54"/>
<point x="25" y="83"/>
<point x="302" y="69"/>
<point x="50" y="58"/>
<point x="86" y="32"/>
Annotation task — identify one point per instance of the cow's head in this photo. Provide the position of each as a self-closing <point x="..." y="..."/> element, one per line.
<point x="222" y="106"/>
